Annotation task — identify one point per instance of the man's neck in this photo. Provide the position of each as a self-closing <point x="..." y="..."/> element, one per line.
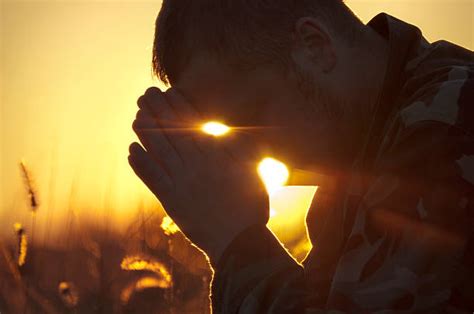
<point x="376" y="60"/>
<point x="371" y="71"/>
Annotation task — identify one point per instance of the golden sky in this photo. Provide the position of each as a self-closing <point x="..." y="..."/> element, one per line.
<point x="71" y="72"/>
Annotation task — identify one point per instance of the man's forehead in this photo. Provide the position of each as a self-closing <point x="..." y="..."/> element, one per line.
<point x="213" y="88"/>
<point x="205" y="77"/>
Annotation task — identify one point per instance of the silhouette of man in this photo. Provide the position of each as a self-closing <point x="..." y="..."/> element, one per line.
<point x="383" y="117"/>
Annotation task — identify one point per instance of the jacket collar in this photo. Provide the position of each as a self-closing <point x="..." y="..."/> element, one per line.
<point x="404" y="41"/>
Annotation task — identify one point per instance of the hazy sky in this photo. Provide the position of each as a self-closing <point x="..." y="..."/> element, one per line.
<point x="71" y="72"/>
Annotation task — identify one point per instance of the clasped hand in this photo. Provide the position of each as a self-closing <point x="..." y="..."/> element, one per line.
<point x="208" y="186"/>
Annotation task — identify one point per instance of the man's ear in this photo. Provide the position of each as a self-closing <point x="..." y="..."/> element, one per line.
<point x="311" y="36"/>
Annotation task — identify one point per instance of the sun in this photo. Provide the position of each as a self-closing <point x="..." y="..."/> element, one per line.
<point x="215" y="128"/>
<point x="274" y="174"/>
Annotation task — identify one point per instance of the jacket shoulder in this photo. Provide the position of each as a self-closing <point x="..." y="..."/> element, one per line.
<point x="439" y="87"/>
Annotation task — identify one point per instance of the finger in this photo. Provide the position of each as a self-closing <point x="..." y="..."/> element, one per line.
<point x="241" y="148"/>
<point x="204" y="143"/>
<point x="155" y="142"/>
<point x="154" y="177"/>
<point x="182" y="106"/>
<point x="157" y="103"/>
<point x="207" y="146"/>
<point x="229" y="150"/>
<point x="144" y="115"/>
<point x="141" y="102"/>
<point x="174" y="127"/>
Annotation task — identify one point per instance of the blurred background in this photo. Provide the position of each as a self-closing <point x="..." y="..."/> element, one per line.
<point x="71" y="72"/>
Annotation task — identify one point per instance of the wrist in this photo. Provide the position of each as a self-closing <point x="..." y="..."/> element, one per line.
<point x="221" y="242"/>
<point x="216" y="251"/>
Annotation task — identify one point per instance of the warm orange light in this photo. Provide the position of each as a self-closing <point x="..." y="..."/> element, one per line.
<point x="168" y="226"/>
<point x="136" y="262"/>
<point x="215" y="128"/>
<point x="273" y="212"/>
<point x="274" y="174"/>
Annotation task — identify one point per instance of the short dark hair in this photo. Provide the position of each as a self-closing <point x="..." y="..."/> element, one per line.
<point x="244" y="33"/>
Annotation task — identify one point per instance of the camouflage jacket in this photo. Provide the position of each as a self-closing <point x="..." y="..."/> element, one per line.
<point x="397" y="236"/>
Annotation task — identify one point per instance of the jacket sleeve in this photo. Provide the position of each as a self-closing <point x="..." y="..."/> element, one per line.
<point x="411" y="249"/>
<point x="257" y="275"/>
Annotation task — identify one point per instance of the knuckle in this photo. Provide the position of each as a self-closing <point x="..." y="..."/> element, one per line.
<point x="143" y="121"/>
<point x="141" y="101"/>
<point x="131" y="149"/>
<point x="156" y="102"/>
<point x="135" y="125"/>
<point x="153" y="91"/>
<point x="141" y="125"/>
<point x="141" y="114"/>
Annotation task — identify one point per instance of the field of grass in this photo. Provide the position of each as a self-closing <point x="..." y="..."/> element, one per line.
<point x="151" y="268"/>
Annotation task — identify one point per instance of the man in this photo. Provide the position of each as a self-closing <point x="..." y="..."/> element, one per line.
<point x="384" y="118"/>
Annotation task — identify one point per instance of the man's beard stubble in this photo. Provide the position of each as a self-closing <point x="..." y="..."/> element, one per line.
<point x="320" y="102"/>
<point x="334" y="124"/>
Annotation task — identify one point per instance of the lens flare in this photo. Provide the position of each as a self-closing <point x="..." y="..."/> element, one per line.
<point x="215" y="128"/>
<point x="274" y="174"/>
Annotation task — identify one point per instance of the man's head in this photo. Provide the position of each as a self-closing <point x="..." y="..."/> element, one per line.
<point x="288" y="67"/>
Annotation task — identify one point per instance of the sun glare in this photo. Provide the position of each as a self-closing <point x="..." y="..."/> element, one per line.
<point x="274" y="174"/>
<point x="215" y="128"/>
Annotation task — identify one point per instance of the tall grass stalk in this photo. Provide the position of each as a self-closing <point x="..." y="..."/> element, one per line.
<point x="32" y="196"/>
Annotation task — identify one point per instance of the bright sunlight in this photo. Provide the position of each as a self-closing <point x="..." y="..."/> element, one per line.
<point x="215" y="128"/>
<point x="274" y="174"/>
